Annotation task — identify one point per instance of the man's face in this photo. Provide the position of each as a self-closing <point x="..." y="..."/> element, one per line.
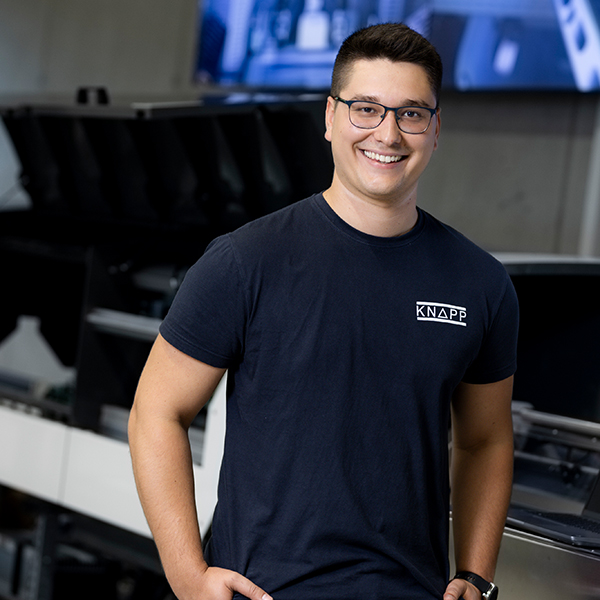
<point x="381" y="165"/>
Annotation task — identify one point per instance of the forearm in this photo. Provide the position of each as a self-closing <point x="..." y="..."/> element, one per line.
<point x="481" y="489"/>
<point x="164" y="477"/>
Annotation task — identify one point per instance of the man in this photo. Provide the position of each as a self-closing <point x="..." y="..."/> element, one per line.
<point x="352" y="324"/>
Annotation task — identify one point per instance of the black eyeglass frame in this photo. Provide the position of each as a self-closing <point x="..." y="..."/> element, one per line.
<point x="349" y="103"/>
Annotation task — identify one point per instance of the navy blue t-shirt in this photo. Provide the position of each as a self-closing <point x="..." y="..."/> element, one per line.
<point x="343" y="351"/>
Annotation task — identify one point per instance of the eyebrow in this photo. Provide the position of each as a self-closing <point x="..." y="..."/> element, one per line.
<point x="408" y="102"/>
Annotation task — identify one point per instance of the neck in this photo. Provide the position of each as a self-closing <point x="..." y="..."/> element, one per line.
<point x="381" y="218"/>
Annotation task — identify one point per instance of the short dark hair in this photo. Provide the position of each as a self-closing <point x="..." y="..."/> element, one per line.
<point x="393" y="41"/>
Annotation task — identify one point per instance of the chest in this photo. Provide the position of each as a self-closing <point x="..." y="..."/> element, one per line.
<point x="379" y="313"/>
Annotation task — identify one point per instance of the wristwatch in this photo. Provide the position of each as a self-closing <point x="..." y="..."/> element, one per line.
<point x="489" y="590"/>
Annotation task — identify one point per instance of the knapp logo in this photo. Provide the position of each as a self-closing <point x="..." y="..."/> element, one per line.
<point x="442" y="313"/>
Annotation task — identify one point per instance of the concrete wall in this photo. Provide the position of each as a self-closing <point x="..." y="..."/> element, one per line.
<point x="511" y="170"/>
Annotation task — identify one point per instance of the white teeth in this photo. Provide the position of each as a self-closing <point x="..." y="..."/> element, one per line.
<point x="381" y="157"/>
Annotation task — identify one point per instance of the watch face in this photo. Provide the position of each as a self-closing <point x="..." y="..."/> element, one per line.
<point x="491" y="594"/>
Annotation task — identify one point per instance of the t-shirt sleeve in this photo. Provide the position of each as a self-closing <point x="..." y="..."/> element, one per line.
<point x="206" y="319"/>
<point x="497" y="358"/>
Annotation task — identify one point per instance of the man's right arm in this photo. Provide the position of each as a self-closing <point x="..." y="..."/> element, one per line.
<point x="171" y="391"/>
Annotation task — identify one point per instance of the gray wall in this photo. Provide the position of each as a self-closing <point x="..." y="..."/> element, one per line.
<point x="511" y="171"/>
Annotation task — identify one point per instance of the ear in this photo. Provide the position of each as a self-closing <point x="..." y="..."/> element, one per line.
<point x="329" y="113"/>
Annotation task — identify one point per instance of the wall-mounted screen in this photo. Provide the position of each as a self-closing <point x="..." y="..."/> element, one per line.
<point x="485" y="44"/>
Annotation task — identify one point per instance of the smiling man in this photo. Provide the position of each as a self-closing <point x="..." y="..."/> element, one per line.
<point x="357" y="330"/>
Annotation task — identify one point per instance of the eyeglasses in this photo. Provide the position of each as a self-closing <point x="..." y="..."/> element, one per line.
<point x="369" y="115"/>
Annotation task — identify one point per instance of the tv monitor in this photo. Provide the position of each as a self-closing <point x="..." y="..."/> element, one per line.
<point x="485" y="44"/>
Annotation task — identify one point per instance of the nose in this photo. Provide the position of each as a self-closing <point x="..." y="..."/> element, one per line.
<point x="388" y="131"/>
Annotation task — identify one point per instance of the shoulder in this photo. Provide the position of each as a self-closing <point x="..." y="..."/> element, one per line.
<point x="462" y="253"/>
<point x="276" y="231"/>
<point x="279" y="220"/>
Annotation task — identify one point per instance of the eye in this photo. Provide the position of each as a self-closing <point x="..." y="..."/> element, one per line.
<point x="413" y="114"/>
<point x="366" y="109"/>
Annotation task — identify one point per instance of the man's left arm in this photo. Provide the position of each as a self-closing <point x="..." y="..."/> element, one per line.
<point x="481" y="479"/>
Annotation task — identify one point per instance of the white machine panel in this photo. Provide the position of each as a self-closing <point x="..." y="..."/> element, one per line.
<point x="91" y="473"/>
<point x="32" y="453"/>
<point x="99" y="481"/>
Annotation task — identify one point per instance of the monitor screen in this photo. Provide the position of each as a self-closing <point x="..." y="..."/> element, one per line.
<point x="485" y="44"/>
<point x="559" y="335"/>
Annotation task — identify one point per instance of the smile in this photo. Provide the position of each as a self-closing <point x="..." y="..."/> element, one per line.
<point x="382" y="158"/>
